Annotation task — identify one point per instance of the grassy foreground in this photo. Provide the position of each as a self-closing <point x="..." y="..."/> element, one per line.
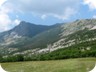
<point x="69" y="65"/>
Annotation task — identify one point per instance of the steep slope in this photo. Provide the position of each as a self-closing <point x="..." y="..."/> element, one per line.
<point x="77" y="25"/>
<point x="29" y="30"/>
<point x="41" y="40"/>
<point x="22" y="31"/>
<point x="72" y="31"/>
<point x="26" y="34"/>
<point x="26" y="29"/>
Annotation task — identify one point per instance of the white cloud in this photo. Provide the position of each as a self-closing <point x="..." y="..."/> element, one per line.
<point x="1" y="2"/>
<point x="67" y="13"/>
<point x="94" y="16"/>
<point x="16" y="22"/>
<point x="90" y="3"/>
<point x="43" y="16"/>
<point x="4" y="18"/>
<point x="62" y="9"/>
<point x="4" y="22"/>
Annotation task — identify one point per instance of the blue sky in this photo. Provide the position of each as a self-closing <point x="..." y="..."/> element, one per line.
<point x="45" y="12"/>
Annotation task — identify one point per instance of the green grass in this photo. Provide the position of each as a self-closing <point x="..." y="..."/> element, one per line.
<point x="68" y="65"/>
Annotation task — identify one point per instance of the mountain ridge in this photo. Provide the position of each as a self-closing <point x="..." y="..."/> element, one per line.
<point x="58" y="36"/>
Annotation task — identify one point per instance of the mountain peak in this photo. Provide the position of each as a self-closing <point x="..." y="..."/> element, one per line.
<point x="28" y="29"/>
<point x="24" y="23"/>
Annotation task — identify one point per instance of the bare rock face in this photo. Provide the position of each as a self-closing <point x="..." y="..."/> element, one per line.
<point x="77" y="25"/>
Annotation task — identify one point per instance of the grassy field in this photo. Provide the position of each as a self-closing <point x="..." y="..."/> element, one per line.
<point x="69" y="65"/>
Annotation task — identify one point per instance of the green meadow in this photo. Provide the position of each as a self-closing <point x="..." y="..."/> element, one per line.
<point x="68" y="65"/>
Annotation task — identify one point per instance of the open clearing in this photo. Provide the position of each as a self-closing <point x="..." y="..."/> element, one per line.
<point x="68" y="65"/>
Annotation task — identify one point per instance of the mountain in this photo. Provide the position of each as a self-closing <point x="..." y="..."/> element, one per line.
<point x="26" y="29"/>
<point x="40" y="40"/>
<point x="65" y="34"/>
<point x="27" y="37"/>
<point x="21" y="35"/>
<point x="29" y="29"/>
